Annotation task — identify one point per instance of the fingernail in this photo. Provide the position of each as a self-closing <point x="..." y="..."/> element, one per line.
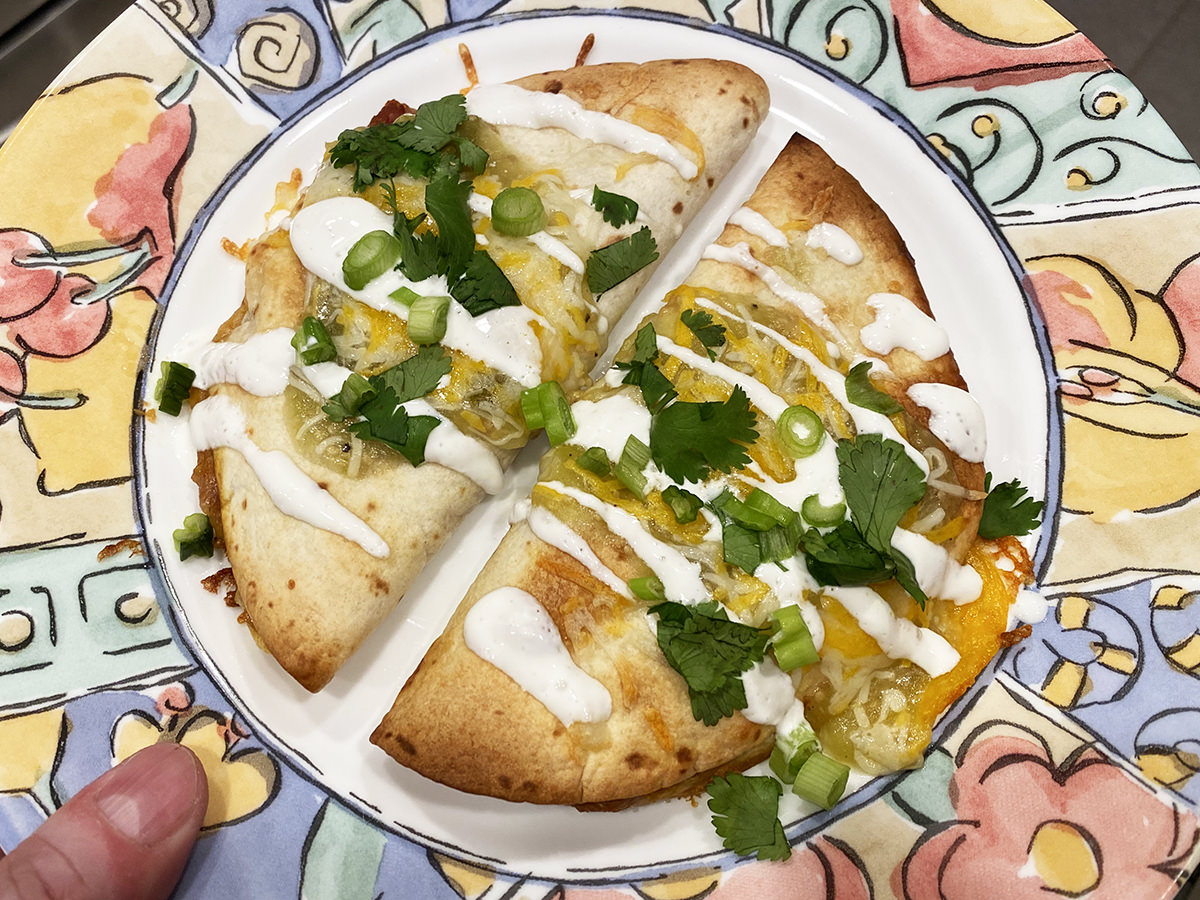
<point x="151" y="794"/>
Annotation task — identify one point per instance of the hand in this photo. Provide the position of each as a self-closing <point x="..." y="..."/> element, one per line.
<point x="126" y="836"/>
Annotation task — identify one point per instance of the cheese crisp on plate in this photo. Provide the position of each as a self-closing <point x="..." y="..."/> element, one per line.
<point x="760" y="532"/>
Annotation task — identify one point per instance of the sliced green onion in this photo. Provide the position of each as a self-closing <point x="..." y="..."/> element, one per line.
<point x="740" y="547"/>
<point x="195" y="538"/>
<point x="556" y="413"/>
<point x="313" y="343"/>
<point x="596" y="461"/>
<point x="760" y="501"/>
<point x="518" y="211"/>
<point x="726" y="504"/>
<point x="817" y="513"/>
<point x="648" y="588"/>
<point x="821" y="780"/>
<point x="793" y="645"/>
<point x="800" y="430"/>
<point x="372" y="255"/>
<point x="427" y="319"/>
<point x="684" y="504"/>
<point x="546" y="406"/>
<point x="173" y="386"/>
<point x="356" y="391"/>
<point x="776" y="545"/>
<point x="531" y="408"/>
<point x="792" y="750"/>
<point x="631" y="466"/>
<point x="405" y="295"/>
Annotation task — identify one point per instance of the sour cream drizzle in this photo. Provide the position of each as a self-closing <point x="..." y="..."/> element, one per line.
<point x="770" y="693"/>
<point x="836" y="242"/>
<point x="757" y="224"/>
<point x="938" y="574"/>
<point x="899" y="323"/>
<point x="259" y="365"/>
<point x="810" y="304"/>
<point x="547" y="243"/>
<point x="449" y="447"/>
<point x="512" y="631"/>
<point x="679" y="575"/>
<point x="551" y="529"/>
<point x="609" y="422"/>
<point x="507" y="104"/>
<point x="955" y="417"/>
<point x="217" y="422"/>
<point x="898" y="638"/>
<point x="503" y="339"/>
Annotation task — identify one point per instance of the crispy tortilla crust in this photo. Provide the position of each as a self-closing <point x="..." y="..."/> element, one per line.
<point x="463" y="722"/>
<point x="313" y="596"/>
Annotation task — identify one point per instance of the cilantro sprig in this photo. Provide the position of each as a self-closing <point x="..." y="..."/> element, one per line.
<point x="745" y="812"/>
<point x="880" y="484"/>
<point x="378" y="401"/>
<point x="616" y="209"/>
<point x="609" y="266"/>
<point x="707" y="332"/>
<point x="412" y="146"/>
<point x="711" y="652"/>
<point x="1008" y="510"/>
<point x="861" y="392"/>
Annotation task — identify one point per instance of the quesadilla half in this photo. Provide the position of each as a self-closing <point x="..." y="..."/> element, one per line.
<point x="367" y="394"/>
<point x="764" y="525"/>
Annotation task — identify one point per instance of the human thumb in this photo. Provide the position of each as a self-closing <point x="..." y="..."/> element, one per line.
<point x="126" y="836"/>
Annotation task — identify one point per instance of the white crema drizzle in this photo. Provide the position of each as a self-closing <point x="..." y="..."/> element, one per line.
<point x="898" y="638"/>
<point x="551" y="529"/>
<point x="899" y="323"/>
<point x="955" y="417"/>
<point x="511" y="630"/>
<point x="507" y="104"/>
<point x="680" y="576"/>
<point x="503" y="339"/>
<point x="755" y="223"/>
<point x="836" y="242"/>
<point x="217" y="422"/>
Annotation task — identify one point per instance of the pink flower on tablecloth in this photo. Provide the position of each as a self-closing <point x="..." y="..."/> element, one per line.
<point x="820" y="869"/>
<point x="1030" y="828"/>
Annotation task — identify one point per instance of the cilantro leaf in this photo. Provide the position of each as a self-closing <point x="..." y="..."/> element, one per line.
<point x="388" y="422"/>
<point x="700" y="323"/>
<point x="415" y="376"/>
<point x="843" y="557"/>
<point x="1007" y="510"/>
<point x="881" y="484"/>
<point x="435" y="122"/>
<point x="710" y="652"/>
<point x="473" y="157"/>
<point x="446" y="203"/>
<point x="609" y="266"/>
<point x="617" y="209"/>
<point x="419" y="253"/>
<point x="483" y="286"/>
<point x="378" y="152"/>
<point x="687" y="440"/>
<point x="657" y="389"/>
<point x="861" y="392"/>
<point x="745" y="812"/>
